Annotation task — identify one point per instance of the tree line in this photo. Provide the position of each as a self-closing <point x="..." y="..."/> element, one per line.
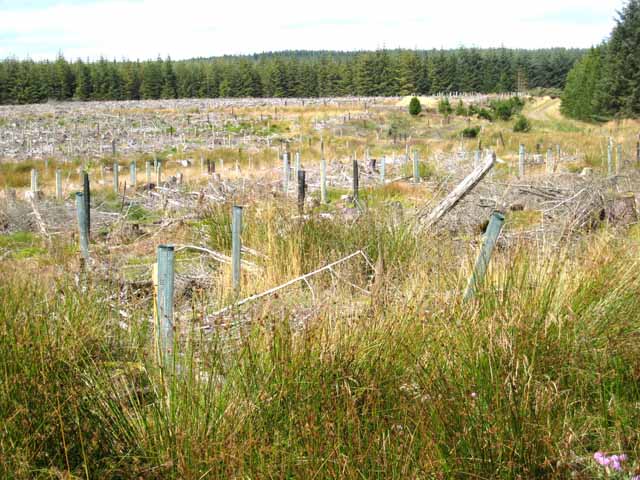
<point x="605" y="83"/>
<point x="288" y="74"/>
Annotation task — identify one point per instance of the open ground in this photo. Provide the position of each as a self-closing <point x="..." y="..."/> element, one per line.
<point x="347" y="331"/>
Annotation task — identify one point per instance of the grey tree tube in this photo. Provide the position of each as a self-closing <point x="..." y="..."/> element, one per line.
<point x="301" y="190"/>
<point x="132" y="174"/>
<point x="83" y="225"/>
<point x="58" y="184"/>
<point x="236" y="247"/>
<point x="285" y="173"/>
<point x="323" y="181"/>
<point x="490" y="238"/>
<point x="34" y="180"/>
<point x="86" y="190"/>
<point x="356" y="180"/>
<point x="116" y="181"/>
<point x="166" y="265"/>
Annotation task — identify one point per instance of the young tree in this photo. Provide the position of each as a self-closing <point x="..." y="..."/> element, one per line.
<point x="461" y="110"/>
<point x="522" y="124"/>
<point x="415" y="107"/>
<point x="444" y="107"/>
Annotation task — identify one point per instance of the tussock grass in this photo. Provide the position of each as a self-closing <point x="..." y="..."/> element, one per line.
<point x="538" y="372"/>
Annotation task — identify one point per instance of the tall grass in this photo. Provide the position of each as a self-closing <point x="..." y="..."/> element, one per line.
<point x="527" y="380"/>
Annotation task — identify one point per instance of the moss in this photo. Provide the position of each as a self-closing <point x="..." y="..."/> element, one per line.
<point x="22" y="245"/>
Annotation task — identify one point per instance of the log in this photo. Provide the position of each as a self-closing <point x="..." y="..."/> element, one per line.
<point x="457" y="194"/>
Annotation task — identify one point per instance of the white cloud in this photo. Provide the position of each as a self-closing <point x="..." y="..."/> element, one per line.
<point x="187" y="28"/>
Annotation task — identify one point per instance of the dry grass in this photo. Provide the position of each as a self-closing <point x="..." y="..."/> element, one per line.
<point x="375" y="370"/>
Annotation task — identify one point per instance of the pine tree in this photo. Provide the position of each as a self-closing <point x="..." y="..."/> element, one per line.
<point x="132" y="81"/>
<point x="444" y="107"/>
<point x="297" y="73"/>
<point x="152" y="80"/>
<point x="438" y="73"/>
<point x="622" y="71"/>
<point x="169" y="82"/>
<point x="365" y="75"/>
<point x="579" y="99"/>
<point x="414" y="106"/>
<point x="408" y="70"/>
<point x="64" y="80"/>
<point x="423" y="84"/>
<point x="84" y="87"/>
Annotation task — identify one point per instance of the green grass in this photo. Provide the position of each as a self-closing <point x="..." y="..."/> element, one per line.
<point x="21" y="245"/>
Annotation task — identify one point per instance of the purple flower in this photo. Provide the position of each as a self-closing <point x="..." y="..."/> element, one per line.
<point x="614" y="461"/>
<point x="601" y="458"/>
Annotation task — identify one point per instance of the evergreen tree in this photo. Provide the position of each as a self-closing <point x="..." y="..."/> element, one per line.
<point x="438" y="73"/>
<point x="132" y="81"/>
<point x="64" y="80"/>
<point x="152" y="80"/>
<point x="606" y="82"/>
<point x="296" y="73"/>
<point x="408" y="71"/>
<point x="444" y="107"/>
<point x="579" y="99"/>
<point x="423" y="84"/>
<point x="621" y="82"/>
<point x="414" y="106"/>
<point x="84" y="87"/>
<point x="169" y="82"/>
<point x="470" y="70"/>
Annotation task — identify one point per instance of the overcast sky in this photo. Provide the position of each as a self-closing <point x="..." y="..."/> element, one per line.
<point x="144" y="29"/>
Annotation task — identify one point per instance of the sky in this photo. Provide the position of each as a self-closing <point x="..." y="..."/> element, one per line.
<point x="143" y="29"/>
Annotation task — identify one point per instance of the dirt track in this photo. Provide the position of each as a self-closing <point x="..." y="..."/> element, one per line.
<point x="544" y="109"/>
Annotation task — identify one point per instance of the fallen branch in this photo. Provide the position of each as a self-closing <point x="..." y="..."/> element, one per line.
<point x="291" y="282"/>
<point x="456" y="194"/>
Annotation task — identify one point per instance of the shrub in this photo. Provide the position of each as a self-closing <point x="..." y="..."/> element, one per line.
<point x="505" y="109"/>
<point x="444" y="107"/>
<point x="461" y="110"/>
<point x="470" y="132"/>
<point x="414" y="106"/>
<point x="522" y="124"/>
<point x="485" y="114"/>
